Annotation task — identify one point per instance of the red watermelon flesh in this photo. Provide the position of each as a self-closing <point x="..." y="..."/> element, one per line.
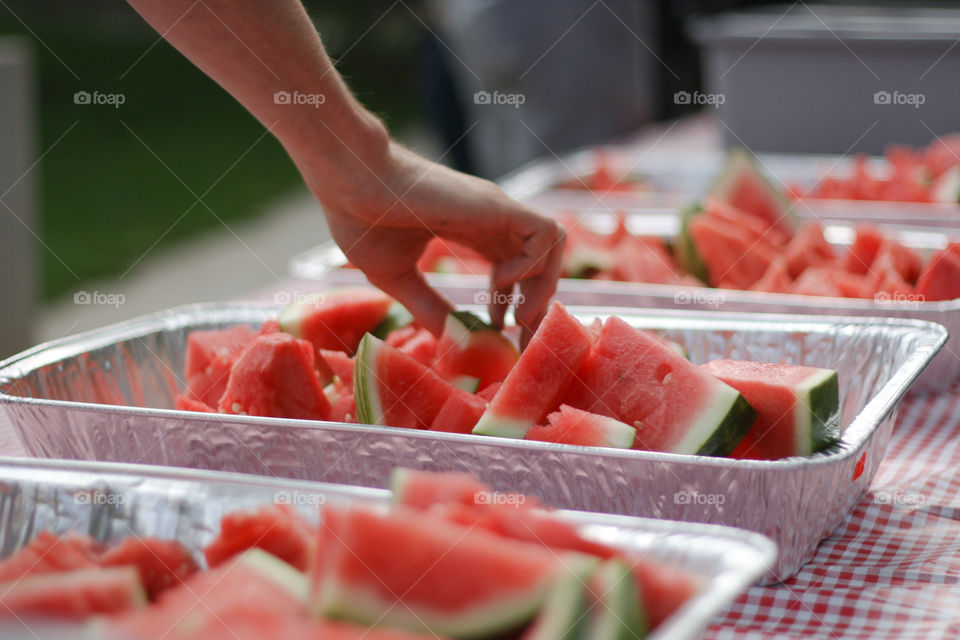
<point x="577" y="427"/>
<point x="275" y="377"/>
<point x="341" y="364"/>
<point x="757" y="229"/>
<point x="742" y="185"/>
<point x="74" y="595"/>
<point x="776" y="279"/>
<point x="643" y="260"/>
<point x="161" y="564"/>
<point x="808" y="248"/>
<point x="423" y="490"/>
<point x="663" y="589"/>
<point x="422" y="347"/>
<point x="270" y="326"/>
<point x="851" y="285"/>
<point x="636" y="378"/>
<point x="337" y="320"/>
<point x="489" y="391"/>
<point x="394" y="389"/>
<point x="49" y="553"/>
<point x="470" y="347"/>
<point x="733" y="260"/>
<point x="210" y="355"/>
<point x="884" y="278"/>
<point x="459" y="414"/>
<point x="536" y="384"/>
<point x="896" y="257"/>
<point x="816" y="281"/>
<point x="343" y="406"/>
<point x="863" y="251"/>
<point x="186" y="403"/>
<point x="278" y="529"/>
<point x="940" y="279"/>
<point x="449" y="579"/>
<point x="253" y="591"/>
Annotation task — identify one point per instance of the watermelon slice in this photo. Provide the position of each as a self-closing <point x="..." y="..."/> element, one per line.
<point x="817" y="281"/>
<point x="210" y="355"/>
<point x="254" y="590"/>
<point x="538" y="381"/>
<point x="422" y="490"/>
<point x="337" y="319"/>
<point x="614" y="614"/>
<point x="893" y="256"/>
<point x="278" y="529"/>
<point x="940" y="279"/>
<point x="393" y="389"/>
<point x="573" y="426"/>
<point x="776" y="279"/>
<point x="73" y="594"/>
<point x="459" y="414"/>
<point x="743" y="185"/>
<point x="275" y="377"/>
<point x="563" y="615"/>
<point x="733" y="260"/>
<point x="663" y="589"/>
<point x="162" y="564"/>
<point x="398" y="317"/>
<point x="863" y="251"/>
<point x="582" y="260"/>
<point x="449" y="579"/>
<point x="808" y="248"/>
<point x="685" y="249"/>
<point x="471" y="347"/>
<point x="49" y="553"/>
<point x="342" y="366"/>
<point x="676" y="407"/>
<point x="798" y="408"/>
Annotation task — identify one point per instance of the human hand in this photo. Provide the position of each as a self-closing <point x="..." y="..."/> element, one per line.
<point x="384" y="222"/>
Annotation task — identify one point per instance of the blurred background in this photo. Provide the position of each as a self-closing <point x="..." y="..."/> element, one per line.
<point x="170" y="192"/>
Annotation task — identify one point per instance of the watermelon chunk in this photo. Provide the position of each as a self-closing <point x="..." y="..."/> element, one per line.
<point x="278" y="529"/>
<point x="49" y="553"/>
<point x="817" y="281"/>
<point x="676" y="407"/>
<point x="161" y="564"/>
<point x="733" y="260"/>
<point x="573" y="426"/>
<point x="459" y="414"/>
<point x="337" y="320"/>
<point x="798" y="408"/>
<point x="743" y="185"/>
<point x="394" y="389"/>
<point x="940" y="279"/>
<point x="471" y="347"/>
<point x="342" y="366"/>
<point x="210" y="355"/>
<point x="186" y="403"/>
<point x="564" y="613"/>
<point x="808" y="248"/>
<point x="397" y="318"/>
<point x="538" y="381"/>
<point x="863" y="251"/>
<point x="422" y="490"/>
<point x="776" y="279"/>
<point x="449" y="579"/>
<point x="663" y="589"/>
<point x="275" y="377"/>
<point x="422" y="346"/>
<point x="614" y="614"/>
<point x="73" y="594"/>
<point x="895" y="257"/>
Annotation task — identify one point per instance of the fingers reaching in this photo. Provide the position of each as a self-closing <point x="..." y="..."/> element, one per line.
<point x="410" y="287"/>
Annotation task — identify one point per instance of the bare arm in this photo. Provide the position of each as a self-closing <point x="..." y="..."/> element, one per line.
<point x="383" y="203"/>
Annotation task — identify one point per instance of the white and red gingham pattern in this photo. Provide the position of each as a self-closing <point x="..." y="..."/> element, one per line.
<point x="892" y="567"/>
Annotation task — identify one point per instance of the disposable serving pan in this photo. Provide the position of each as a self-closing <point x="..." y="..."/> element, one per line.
<point x="113" y="501"/>
<point x="106" y="396"/>
<point x="673" y="179"/>
<point x="325" y="263"/>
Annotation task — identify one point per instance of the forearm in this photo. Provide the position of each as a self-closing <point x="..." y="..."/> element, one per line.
<point x="262" y="51"/>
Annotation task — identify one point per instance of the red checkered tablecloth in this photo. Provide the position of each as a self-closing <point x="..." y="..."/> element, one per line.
<point x="892" y="567"/>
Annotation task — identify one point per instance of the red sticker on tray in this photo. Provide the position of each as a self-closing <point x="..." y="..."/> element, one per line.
<point x="858" y="470"/>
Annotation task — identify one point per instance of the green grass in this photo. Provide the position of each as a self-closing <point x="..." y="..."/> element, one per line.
<point x="105" y="200"/>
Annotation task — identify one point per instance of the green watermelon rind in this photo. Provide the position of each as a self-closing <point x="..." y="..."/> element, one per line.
<point x="291" y="318"/>
<point x="818" y="418"/>
<point x="723" y="421"/>
<point x="617" y="616"/>
<point x="397" y="317"/>
<point x="686" y="250"/>
<point x="491" y="424"/>
<point x="284" y="575"/>
<point x="369" y="408"/>
<point x="738" y="161"/>
<point x="616" y="434"/>
<point x="358" y="605"/>
<point x="564" y="614"/>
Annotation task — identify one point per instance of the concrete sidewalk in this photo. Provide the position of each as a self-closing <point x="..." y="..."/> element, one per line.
<point x="218" y="265"/>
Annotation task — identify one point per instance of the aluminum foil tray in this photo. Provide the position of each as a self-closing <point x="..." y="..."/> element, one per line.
<point x="325" y="263"/>
<point x="107" y="395"/>
<point x="678" y="178"/>
<point x="112" y="501"/>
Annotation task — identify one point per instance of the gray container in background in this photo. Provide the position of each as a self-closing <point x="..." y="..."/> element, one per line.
<point x="832" y="79"/>
<point x="17" y="221"/>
